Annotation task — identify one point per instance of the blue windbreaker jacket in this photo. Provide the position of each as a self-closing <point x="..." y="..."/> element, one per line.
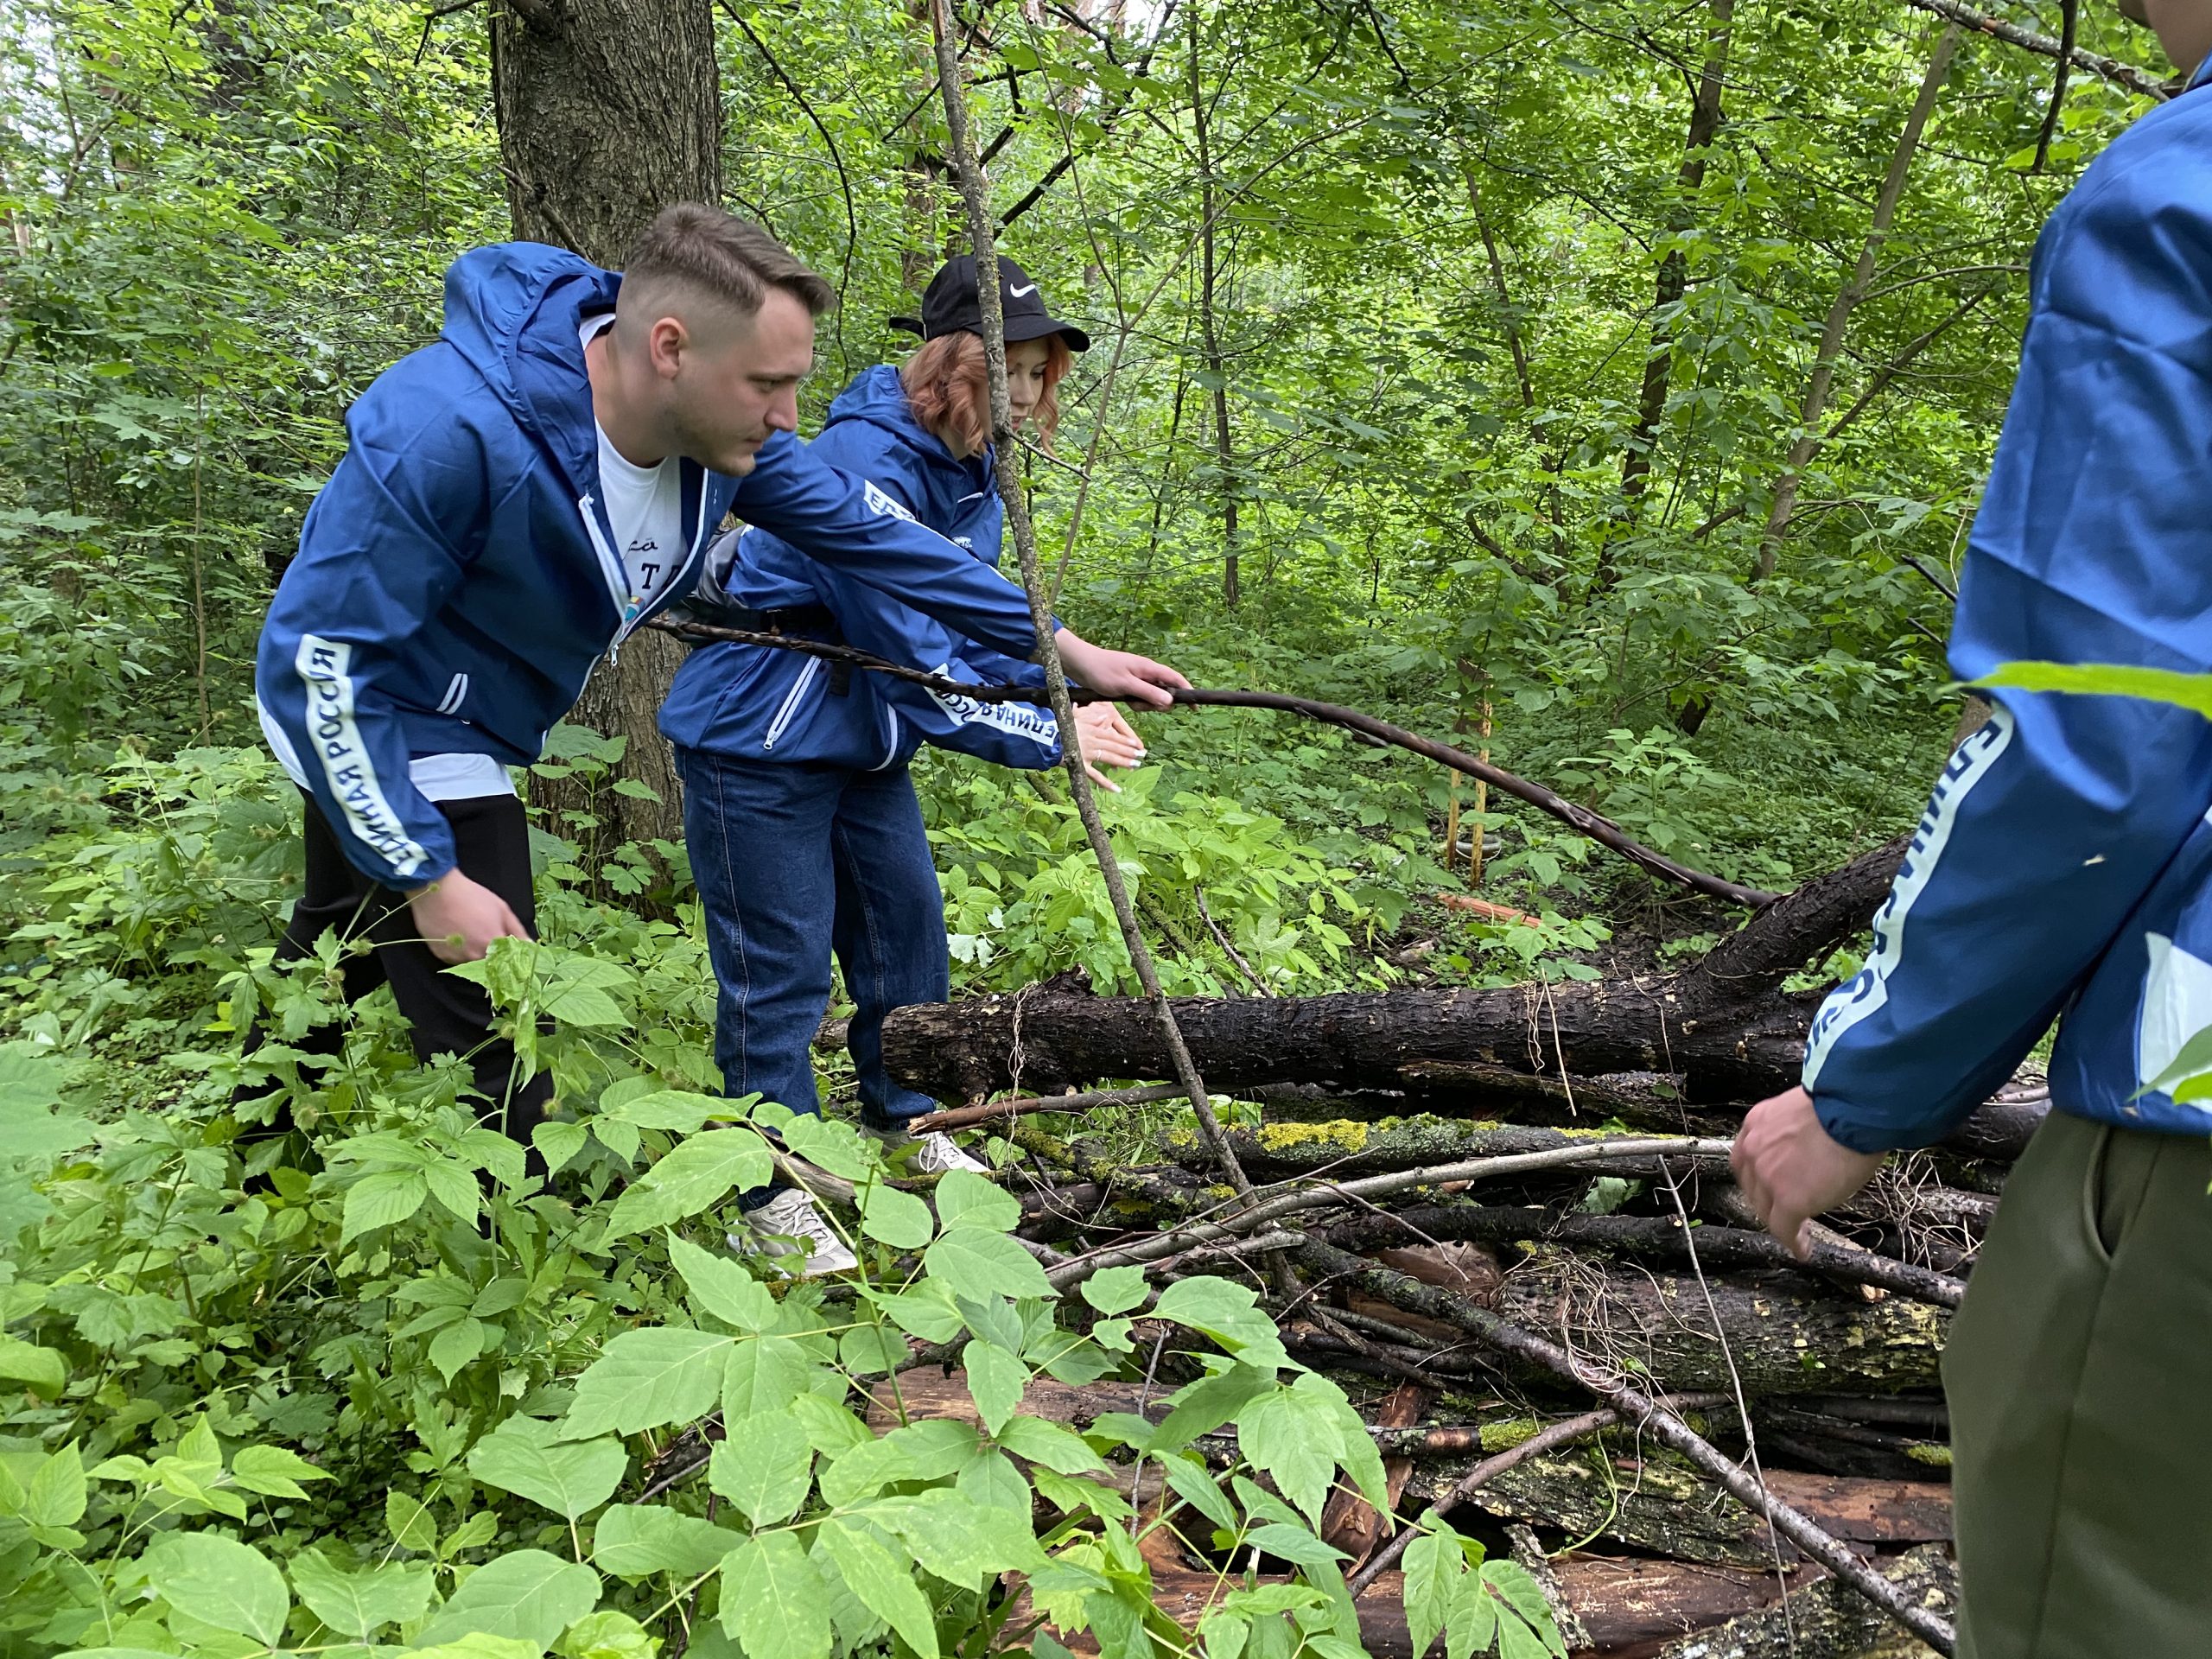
<point x="2064" y="863"/>
<point x="456" y="578"/>
<point x="756" y="703"/>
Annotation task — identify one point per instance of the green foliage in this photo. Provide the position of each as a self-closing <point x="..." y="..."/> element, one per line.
<point x="209" y="1381"/>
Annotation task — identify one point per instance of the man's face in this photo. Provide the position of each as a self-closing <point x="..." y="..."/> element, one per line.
<point x="736" y="383"/>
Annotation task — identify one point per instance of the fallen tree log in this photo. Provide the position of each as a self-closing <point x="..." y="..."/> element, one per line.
<point x="1723" y="1024"/>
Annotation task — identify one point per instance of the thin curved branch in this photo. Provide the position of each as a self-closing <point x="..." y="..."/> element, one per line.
<point x="836" y="159"/>
<point x="1580" y="819"/>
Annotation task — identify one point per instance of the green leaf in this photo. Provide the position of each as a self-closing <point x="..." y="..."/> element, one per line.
<point x="273" y="1471"/>
<point x="1294" y="1544"/>
<point x="648" y="1378"/>
<point x="56" y="1495"/>
<point x="410" y="1522"/>
<point x="830" y="1428"/>
<point x="475" y="1645"/>
<point x="872" y="1349"/>
<point x="721" y="1286"/>
<point x="764" y="1466"/>
<point x="1208" y="1403"/>
<point x="633" y="1540"/>
<point x="772" y="1600"/>
<point x="993" y="1481"/>
<point x="354" y="1604"/>
<point x="966" y="1199"/>
<point x="924" y="1312"/>
<point x="526" y="1456"/>
<point x="455" y="1345"/>
<point x="1115" y="1290"/>
<point x="558" y="1141"/>
<point x="1354" y="1446"/>
<point x="696" y="1175"/>
<point x="929" y="1450"/>
<point x="766" y="1374"/>
<point x="896" y="1218"/>
<point x="383" y="1199"/>
<point x="1433" y="1564"/>
<point x="527" y="1594"/>
<point x="1472" y="1626"/>
<point x="44" y="1369"/>
<point x="221" y="1582"/>
<point x="1293" y="1436"/>
<point x="1057" y="1448"/>
<point x="996" y="1382"/>
<point x="975" y="1263"/>
<point x="1189" y="1479"/>
<point x="1517" y="1586"/>
<point x="960" y="1540"/>
<point x="882" y="1585"/>
<point x="1229" y="1313"/>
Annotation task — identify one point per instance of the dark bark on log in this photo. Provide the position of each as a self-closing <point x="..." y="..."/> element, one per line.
<point x="1722" y="1024"/>
<point x="1789" y="1334"/>
<point x="1660" y="1238"/>
<point x="1829" y="1619"/>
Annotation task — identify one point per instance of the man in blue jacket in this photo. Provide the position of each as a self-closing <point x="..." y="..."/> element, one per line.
<point x="516" y="499"/>
<point x="2064" y="869"/>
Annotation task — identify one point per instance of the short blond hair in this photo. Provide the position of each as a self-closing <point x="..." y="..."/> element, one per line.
<point x="726" y="258"/>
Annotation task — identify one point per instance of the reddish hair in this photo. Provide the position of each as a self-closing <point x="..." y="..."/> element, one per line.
<point x="949" y="390"/>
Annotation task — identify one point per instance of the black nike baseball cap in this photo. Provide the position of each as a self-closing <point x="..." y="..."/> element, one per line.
<point x="952" y="304"/>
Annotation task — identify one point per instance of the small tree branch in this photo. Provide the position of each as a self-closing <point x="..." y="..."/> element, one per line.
<point x="2111" y="69"/>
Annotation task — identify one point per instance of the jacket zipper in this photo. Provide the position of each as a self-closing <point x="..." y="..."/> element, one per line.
<point x="632" y="607"/>
<point x="791" y="703"/>
<point x="611" y="568"/>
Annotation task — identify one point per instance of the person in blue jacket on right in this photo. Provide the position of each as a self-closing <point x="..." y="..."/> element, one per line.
<point x="783" y="752"/>
<point x="2063" y="869"/>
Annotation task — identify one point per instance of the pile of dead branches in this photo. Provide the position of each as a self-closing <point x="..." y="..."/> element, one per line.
<point x="1503" y="1221"/>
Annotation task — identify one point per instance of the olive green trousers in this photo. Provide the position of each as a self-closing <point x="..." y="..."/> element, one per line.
<point x="2079" y="1378"/>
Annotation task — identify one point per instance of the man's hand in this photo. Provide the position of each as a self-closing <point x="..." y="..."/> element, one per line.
<point x="1107" y="740"/>
<point x="1118" y="673"/>
<point x="1790" y="1171"/>
<point x="461" y="918"/>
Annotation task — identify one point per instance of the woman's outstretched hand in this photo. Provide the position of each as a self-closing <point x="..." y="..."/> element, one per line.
<point x="1107" y="740"/>
<point x="1118" y="673"/>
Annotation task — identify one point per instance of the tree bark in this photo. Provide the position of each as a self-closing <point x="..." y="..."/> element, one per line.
<point x="609" y="110"/>
<point x="1722" y="1025"/>
<point x="1847" y="300"/>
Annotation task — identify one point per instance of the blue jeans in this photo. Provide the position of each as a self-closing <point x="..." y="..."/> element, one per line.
<point x="794" y="862"/>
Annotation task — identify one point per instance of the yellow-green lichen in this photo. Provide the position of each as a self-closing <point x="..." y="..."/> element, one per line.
<point x="1504" y="1436"/>
<point x="1350" y="1133"/>
<point x="1935" y="1455"/>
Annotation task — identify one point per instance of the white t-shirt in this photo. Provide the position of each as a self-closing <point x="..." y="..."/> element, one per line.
<point x="644" y="506"/>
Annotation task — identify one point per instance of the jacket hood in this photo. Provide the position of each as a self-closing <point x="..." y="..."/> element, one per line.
<point x="878" y="396"/>
<point x="514" y="310"/>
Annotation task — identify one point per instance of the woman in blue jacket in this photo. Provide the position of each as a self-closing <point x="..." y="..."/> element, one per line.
<point x="803" y="830"/>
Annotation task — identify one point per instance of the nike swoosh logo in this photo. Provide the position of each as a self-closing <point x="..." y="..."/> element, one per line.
<point x="1023" y="293"/>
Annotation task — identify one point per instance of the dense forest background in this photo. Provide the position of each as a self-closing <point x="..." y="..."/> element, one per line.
<point x="1604" y="383"/>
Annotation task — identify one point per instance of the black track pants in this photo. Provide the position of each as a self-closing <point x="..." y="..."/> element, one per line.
<point x="447" y="1015"/>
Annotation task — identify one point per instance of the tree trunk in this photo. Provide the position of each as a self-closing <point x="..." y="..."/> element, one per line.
<point x="1674" y="270"/>
<point x="608" y="112"/>
<point x="1846" y="299"/>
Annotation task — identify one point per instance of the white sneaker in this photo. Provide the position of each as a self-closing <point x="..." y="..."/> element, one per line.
<point x="789" y="1227"/>
<point x="934" y="1154"/>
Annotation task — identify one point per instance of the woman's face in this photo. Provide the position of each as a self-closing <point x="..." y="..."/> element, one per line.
<point x="1025" y="377"/>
